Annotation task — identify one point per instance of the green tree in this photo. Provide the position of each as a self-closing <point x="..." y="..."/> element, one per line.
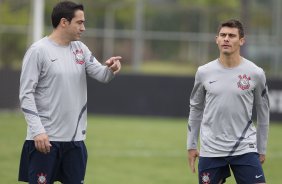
<point x="13" y="41"/>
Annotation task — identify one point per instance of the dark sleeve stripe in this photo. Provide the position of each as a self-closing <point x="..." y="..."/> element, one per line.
<point x="189" y="128"/>
<point x="91" y="59"/>
<point x="263" y="92"/>
<point x="44" y="117"/>
<point x="29" y="112"/>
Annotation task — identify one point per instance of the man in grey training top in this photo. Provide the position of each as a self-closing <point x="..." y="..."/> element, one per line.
<point x="221" y="105"/>
<point x="53" y="97"/>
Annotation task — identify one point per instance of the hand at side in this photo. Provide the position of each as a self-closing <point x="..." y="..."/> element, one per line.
<point x="192" y="156"/>
<point x="42" y="143"/>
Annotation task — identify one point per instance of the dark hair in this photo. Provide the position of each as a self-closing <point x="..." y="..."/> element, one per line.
<point x="233" y="24"/>
<point x="64" y="9"/>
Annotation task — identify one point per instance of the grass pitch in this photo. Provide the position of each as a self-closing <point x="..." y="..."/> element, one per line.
<point x="129" y="150"/>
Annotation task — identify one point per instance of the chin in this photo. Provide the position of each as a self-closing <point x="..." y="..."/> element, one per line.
<point x="226" y="52"/>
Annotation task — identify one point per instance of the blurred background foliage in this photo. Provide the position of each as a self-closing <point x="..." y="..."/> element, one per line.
<point x="170" y="37"/>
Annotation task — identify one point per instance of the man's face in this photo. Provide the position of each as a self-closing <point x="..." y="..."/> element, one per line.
<point x="228" y="40"/>
<point x="76" y="26"/>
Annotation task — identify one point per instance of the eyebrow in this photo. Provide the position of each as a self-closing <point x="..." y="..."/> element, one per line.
<point x="81" y="21"/>
<point x="230" y="34"/>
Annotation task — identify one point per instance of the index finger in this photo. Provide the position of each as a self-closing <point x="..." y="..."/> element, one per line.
<point x="116" y="58"/>
<point x="47" y="146"/>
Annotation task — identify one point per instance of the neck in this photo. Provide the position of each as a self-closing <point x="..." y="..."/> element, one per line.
<point x="59" y="38"/>
<point x="230" y="61"/>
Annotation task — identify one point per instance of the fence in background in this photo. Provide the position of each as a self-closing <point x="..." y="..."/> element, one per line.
<point x="136" y="95"/>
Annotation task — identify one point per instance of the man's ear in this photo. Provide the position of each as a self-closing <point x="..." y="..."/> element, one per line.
<point x="242" y="41"/>
<point x="216" y="41"/>
<point x="64" y="22"/>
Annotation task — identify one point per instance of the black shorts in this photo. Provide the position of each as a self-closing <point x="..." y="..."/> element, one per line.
<point x="66" y="163"/>
<point x="246" y="169"/>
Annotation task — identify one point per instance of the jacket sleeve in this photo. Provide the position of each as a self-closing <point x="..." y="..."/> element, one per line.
<point x="197" y="103"/>
<point x="95" y="69"/>
<point x="30" y="73"/>
<point x="262" y="109"/>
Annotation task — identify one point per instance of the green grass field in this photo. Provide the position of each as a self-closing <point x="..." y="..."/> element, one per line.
<point x="129" y="150"/>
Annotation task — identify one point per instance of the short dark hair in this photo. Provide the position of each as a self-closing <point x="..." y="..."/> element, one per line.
<point x="64" y="9"/>
<point x="233" y="24"/>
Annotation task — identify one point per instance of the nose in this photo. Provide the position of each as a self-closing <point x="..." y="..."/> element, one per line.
<point x="82" y="28"/>
<point x="226" y="38"/>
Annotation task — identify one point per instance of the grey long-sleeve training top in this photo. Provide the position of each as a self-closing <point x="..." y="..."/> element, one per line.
<point x="53" y="89"/>
<point x="221" y="106"/>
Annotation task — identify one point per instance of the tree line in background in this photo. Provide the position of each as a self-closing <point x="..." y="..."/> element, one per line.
<point x="159" y="15"/>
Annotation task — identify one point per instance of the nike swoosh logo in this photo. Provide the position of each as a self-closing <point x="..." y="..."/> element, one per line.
<point x="52" y="60"/>
<point x="212" y="82"/>
<point x="258" y="176"/>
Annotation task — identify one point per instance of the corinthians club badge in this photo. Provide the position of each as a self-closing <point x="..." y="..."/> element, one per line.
<point x="79" y="57"/>
<point x="206" y="178"/>
<point x="42" y="178"/>
<point x="244" y="82"/>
